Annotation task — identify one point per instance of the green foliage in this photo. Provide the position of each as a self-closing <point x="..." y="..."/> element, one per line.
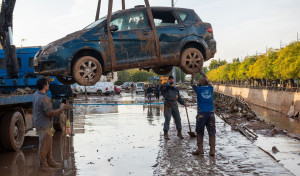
<point x="214" y="64"/>
<point x="198" y="75"/>
<point x="124" y="76"/>
<point x="282" y="64"/>
<point x="180" y="75"/>
<point x="135" y="75"/>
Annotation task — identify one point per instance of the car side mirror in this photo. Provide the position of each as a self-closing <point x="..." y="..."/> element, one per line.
<point x="113" y="28"/>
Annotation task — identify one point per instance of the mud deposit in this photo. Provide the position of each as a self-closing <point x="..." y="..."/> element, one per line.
<point x="235" y="155"/>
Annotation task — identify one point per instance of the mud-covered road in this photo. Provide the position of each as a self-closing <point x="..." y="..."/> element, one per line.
<point x="126" y="139"/>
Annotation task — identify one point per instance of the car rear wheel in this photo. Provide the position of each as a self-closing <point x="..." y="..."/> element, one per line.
<point x="99" y="92"/>
<point x="65" y="80"/>
<point x="191" y="61"/>
<point x="12" y="131"/>
<point x="162" y="70"/>
<point x="87" y="71"/>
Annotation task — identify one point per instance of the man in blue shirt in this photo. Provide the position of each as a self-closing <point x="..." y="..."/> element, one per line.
<point x="171" y="95"/>
<point x="205" y="116"/>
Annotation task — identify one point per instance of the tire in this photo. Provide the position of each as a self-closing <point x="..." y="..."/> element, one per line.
<point x="99" y="92"/>
<point x="87" y="71"/>
<point x="191" y="61"/>
<point x="162" y="70"/>
<point x="12" y="131"/>
<point x="65" y="80"/>
<point x="61" y="125"/>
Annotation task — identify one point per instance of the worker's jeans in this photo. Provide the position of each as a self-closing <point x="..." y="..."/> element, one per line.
<point x="45" y="145"/>
<point x="205" y="119"/>
<point x="171" y="109"/>
<point x="149" y="96"/>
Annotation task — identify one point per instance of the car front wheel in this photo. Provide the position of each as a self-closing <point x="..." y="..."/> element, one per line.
<point x="191" y="61"/>
<point x="87" y="71"/>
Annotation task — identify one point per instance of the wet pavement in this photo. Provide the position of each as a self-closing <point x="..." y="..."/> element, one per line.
<point x="235" y="155"/>
<point x="126" y="139"/>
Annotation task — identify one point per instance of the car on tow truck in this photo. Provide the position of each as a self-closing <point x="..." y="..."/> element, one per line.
<point x="84" y="56"/>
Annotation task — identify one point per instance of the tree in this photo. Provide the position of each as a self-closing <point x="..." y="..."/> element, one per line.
<point x="124" y="76"/>
<point x="214" y="64"/>
<point x="198" y="75"/>
<point x="287" y="65"/>
<point x="233" y="68"/>
<point x="180" y="75"/>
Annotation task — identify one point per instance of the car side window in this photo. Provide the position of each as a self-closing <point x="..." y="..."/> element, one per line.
<point x="129" y="21"/>
<point x="182" y="15"/>
<point x="164" y="18"/>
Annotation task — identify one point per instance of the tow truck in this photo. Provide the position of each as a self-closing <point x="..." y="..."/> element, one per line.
<point x="17" y="85"/>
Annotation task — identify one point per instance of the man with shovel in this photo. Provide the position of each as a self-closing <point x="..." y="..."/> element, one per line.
<point x="205" y="116"/>
<point x="171" y="95"/>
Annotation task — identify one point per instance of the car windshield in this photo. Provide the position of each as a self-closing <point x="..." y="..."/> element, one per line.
<point x="95" y="23"/>
<point x="140" y="85"/>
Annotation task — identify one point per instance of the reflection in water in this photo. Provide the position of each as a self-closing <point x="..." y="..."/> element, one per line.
<point x="26" y="161"/>
<point x="278" y="119"/>
<point x="94" y="109"/>
<point x="153" y="110"/>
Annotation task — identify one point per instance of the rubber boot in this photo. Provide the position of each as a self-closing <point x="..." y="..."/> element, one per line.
<point x="50" y="159"/>
<point x="179" y="134"/>
<point x="212" y="144"/>
<point x="200" y="150"/>
<point x="166" y="136"/>
<point x="44" y="150"/>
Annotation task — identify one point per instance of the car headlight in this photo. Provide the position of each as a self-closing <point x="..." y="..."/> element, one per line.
<point x="53" y="49"/>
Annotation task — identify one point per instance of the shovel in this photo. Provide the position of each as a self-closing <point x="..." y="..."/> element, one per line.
<point x="192" y="134"/>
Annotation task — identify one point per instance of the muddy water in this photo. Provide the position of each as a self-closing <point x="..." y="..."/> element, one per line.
<point x="289" y="149"/>
<point x="278" y="119"/>
<point x="122" y="141"/>
<point x="126" y="140"/>
<point x="107" y="140"/>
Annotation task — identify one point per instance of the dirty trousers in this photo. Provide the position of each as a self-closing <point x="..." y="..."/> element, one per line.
<point x="206" y="119"/>
<point x="45" y="145"/>
<point x="171" y="109"/>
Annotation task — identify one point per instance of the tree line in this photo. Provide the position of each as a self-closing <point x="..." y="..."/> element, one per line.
<point x="276" y="66"/>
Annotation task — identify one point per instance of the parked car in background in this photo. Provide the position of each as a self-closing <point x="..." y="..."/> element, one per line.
<point x="76" y="88"/>
<point x="140" y="87"/>
<point x="100" y="88"/>
<point x="127" y="85"/>
<point x="184" y="40"/>
<point x="118" y="89"/>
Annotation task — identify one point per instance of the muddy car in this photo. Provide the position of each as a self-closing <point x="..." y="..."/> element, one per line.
<point x="84" y="56"/>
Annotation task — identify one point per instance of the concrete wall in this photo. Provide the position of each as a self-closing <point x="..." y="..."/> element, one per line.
<point x="276" y="100"/>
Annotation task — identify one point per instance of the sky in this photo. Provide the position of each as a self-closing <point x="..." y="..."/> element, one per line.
<point x="241" y="27"/>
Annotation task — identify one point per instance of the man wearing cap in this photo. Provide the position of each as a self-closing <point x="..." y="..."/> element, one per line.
<point x="171" y="96"/>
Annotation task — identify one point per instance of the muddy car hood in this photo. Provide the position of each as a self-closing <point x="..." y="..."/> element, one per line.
<point x="67" y="38"/>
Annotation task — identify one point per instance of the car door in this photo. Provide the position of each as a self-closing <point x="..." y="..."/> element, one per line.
<point x="134" y="41"/>
<point x="171" y="31"/>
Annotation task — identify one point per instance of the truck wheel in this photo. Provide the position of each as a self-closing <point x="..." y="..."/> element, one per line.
<point x="61" y="125"/>
<point x="162" y="70"/>
<point x="99" y="92"/>
<point x="87" y="71"/>
<point x="12" y="131"/>
<point x="191" y="61"/>
<point x="65" y="80"/>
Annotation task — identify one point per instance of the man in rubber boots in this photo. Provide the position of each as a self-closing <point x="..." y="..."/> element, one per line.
<point x="43" y="115"/>
<point x="205" y="116"/>
<point x="171" y="95"/>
